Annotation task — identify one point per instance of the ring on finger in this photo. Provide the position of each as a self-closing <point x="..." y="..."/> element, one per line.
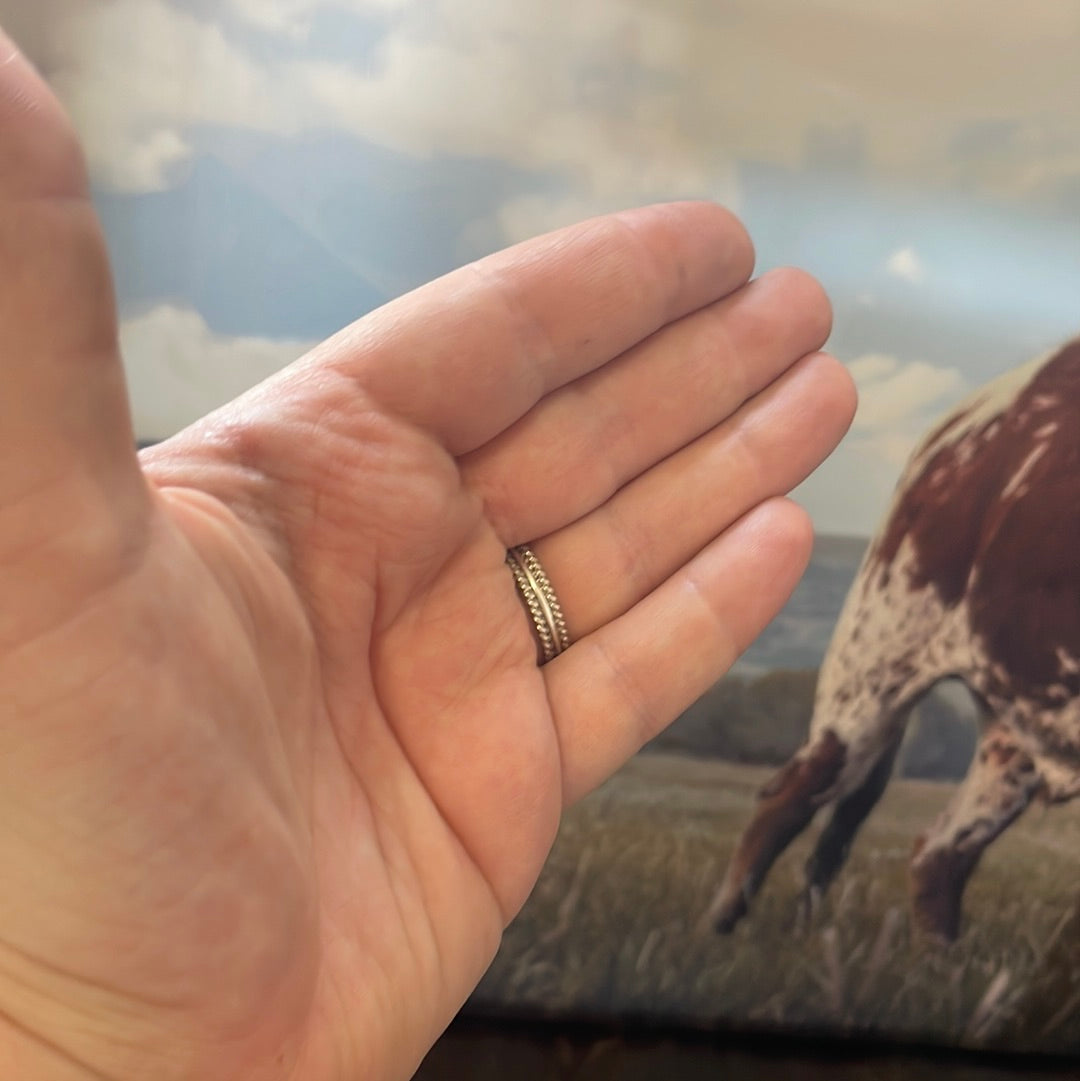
<point x="538" y="596"/>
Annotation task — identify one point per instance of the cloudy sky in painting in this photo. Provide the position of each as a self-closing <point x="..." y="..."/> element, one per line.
<point x="268" y="170"/>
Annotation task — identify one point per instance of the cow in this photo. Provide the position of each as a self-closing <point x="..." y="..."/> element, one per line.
<point x="974" y="575"/>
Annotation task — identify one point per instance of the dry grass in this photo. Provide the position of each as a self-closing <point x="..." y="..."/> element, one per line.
<point x="615" y="924"/>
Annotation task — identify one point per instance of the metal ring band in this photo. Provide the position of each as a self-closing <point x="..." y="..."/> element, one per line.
<point x="535" y="588"/>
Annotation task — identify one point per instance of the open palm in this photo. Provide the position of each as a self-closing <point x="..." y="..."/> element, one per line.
<point x="277" y="760"/>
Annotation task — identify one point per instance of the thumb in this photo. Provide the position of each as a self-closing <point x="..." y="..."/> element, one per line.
<point x="64" y="415"/>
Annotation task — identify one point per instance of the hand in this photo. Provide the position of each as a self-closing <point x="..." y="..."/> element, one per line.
<point x="277" y="761"/>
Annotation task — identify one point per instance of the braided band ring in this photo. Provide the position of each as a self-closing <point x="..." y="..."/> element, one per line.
<point x="539" y="598"/>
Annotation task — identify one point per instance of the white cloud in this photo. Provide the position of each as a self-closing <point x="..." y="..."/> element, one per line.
<point x="621" y="96"/>
<point x="142" y="164"/>
<point x="898" y="402"/>
<point x="132" y="103"/>
<point x="907" y="265"/>
<point x="292" y="18"/>
<point x="870" y="367"/>
<point x="515" y="86"/>
<point x="178" y="369"/>
<point x="589" y="91"/>
<point x="891" y="393"/>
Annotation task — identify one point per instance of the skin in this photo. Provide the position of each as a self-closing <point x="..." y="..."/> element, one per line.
<point x="277" y="762"/>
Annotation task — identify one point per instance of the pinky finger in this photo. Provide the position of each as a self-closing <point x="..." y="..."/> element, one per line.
<point x="620" y="686"/>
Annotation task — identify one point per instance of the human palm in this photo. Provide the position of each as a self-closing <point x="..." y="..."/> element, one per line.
<point x="278" y="761"/>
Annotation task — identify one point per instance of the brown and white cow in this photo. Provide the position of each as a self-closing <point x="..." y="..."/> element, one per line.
<point x="975" y="574"/>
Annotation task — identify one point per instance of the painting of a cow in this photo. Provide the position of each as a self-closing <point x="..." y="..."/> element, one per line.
<point x="974" y="575"/>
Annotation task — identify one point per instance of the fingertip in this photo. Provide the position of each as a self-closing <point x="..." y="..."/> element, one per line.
<point x="743" y="250"/>
<point x="778" y="539"/>
<point x="797" y="529"/>
<point x="805" y="294"/>
<point x="770" y="545"/>
<point x="846" y="391"/>
<point x="833" y="388"/>
<point x="717" y="226"/>
<point x="783" y="532"/>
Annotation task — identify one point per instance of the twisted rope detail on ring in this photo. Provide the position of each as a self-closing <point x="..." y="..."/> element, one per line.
<point x="535" y="588"/>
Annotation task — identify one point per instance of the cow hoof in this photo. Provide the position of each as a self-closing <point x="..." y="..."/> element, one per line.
<point x="938" y="935"/>
<point x="937" y="883"/>
<point x="729" y="914"/>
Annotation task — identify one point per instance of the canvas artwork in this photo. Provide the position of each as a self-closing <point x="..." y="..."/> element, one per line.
<point x="868" y="826"/>
<point x="926" y="905"/>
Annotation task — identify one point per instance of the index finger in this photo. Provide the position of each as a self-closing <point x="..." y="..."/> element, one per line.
<point x="470" y="353"/>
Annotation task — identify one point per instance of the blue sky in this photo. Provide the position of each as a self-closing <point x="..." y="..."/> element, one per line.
<point x="268" y="170"/>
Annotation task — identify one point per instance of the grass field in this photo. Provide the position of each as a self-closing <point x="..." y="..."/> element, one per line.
<point x="615" y="925"/>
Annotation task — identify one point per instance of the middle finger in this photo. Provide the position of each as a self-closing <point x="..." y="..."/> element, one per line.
<point x="588" y="439"/>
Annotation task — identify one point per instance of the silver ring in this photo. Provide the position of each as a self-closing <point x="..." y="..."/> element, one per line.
<point x="539" y="598"/>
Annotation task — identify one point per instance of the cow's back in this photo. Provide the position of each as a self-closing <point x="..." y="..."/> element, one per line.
<point x="989" y="511"/>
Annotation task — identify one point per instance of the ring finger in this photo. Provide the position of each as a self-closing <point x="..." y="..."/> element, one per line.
<point x="604" y="563"/>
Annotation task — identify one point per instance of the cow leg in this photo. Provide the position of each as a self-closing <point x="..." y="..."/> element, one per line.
<point x="831" y="851"/>
<point x="786" y="806"/>
<point x="998" y="787"/>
